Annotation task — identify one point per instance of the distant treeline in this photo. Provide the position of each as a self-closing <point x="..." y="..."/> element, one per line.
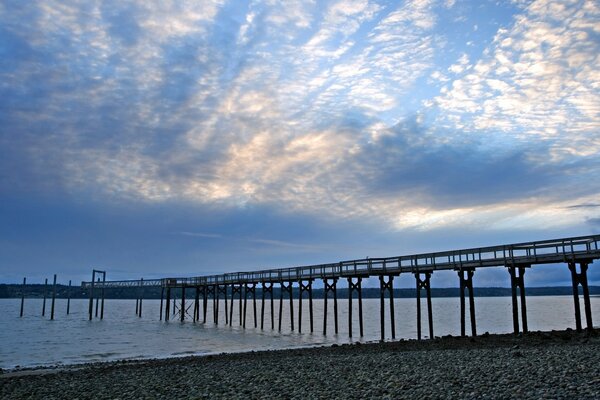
<point x="62" y="291"/>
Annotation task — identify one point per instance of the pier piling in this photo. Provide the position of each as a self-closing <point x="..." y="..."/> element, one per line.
<point x="23" y="297"/>
<point x="466" y="283"/>
<point x="44" y="302"/>
<point x="69" y="298"/>
<point x="53" y="299"/>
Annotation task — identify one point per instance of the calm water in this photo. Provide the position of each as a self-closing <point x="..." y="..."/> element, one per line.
<point x="35" y="340"/>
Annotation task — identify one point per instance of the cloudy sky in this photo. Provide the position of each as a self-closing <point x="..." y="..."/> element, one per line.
<point x="182" y="138"/>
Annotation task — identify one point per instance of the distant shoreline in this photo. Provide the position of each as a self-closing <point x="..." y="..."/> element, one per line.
<point x="557" y="364"/>
<point x="8" y="291"/>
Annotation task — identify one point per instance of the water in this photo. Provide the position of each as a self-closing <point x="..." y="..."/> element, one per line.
<point x="36" y="341"/>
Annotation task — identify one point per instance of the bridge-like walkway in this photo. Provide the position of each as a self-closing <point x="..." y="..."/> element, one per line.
<point x="582" y="250"/>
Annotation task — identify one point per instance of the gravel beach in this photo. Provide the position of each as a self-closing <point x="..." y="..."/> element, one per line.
<point x="552" y="365"/>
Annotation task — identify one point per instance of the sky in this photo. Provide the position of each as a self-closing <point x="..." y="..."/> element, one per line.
<point x="185" y="138"/>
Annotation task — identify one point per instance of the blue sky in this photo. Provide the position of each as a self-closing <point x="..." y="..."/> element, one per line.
<point x="182" y="138"/>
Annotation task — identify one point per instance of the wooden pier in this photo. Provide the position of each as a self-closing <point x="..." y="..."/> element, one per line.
<point x="576" y="252"/>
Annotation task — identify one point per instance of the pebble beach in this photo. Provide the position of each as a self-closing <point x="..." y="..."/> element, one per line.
<point x="538" y="365"/>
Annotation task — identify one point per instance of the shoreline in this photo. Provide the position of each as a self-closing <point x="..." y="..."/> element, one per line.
<point x="446" y="342"/>
<point x="555" y="364"/>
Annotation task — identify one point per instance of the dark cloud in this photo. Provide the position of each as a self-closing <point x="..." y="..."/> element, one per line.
<point x="449" y="170"/>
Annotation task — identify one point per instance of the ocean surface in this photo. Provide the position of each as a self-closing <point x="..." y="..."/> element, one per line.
<point x="71" y="339"/>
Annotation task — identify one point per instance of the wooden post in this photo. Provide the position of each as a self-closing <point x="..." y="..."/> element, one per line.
<point x="216" y="304"/>
<point x="225" y="296"/>
<point x="382" y="307"/>
<point x="162" y="294"/>
<point x="518" y="281"/>
<point x="262" y="307"/>
<point x="310" y="306"/>
<point x="182" y="311"/>
<point x="44" y="302"/>
<point x="233" y="291"/>
<point x="53" y="298"/>
<point x="466" y="283"/>
<point x="581" y="279"/>
<point x="23" y="297"/>
<point x="424" y="283"/>
<point x="513" y="292"/>
<point x="335" y="305"/>
<point x="91" y="305"/>
<point x="168" y="304"/>
<point x="350" y="307"/>
<point x="272" y="308"/>
<point x="196" y="304"/>
<point x="429" y="308"/>
<point x="102" y="294"/>
<point x="280" y="304"/>
<point x="291" y="304"/>
<point x="245" y="304"/>
<point x="325" y="293"/>
<point x="304" y="288"/>
<point x="141" y="294"/>
<point x="360" y="307"/>
<point x="97" y="300"/>
<point x="69" y="298"/>
<point x="204" y="302"/>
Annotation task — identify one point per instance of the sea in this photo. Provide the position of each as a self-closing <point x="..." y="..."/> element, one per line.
<point x="34" y="340"/>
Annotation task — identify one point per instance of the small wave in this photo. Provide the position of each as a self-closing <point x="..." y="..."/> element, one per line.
<point x="100" y="355"/>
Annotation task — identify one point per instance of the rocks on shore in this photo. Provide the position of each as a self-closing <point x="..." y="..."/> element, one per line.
<point x="557" y="365"/>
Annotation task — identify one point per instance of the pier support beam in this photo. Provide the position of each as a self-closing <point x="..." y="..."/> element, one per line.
<point x="466" y="283"/>
<point x="182" y="310"/>
<point x="235" y="289"/>
<point x="330" y="287"/>
<point x="389" y="287"/>
<point x="267" y="288"/>
<point x="222" y="289"/>
<point x="44" y="302"/>
<point x="250" y="288"/>
<point x="23" y="296"/>
<point x="580" y="278"/>
<point x="424" y="283"/>
<point x="162" y="298"/>
<point x="53" y="299"/>
<point x="352" y="287"/>
<point x="168" y="304"/>
<point x="305" y="287"/>
<point x="196" y="314"/>
<point x="69" y="298"/>
<point x="141" y="296"/>
<point x="517" y="281"/>
<point x="289" y="289"/>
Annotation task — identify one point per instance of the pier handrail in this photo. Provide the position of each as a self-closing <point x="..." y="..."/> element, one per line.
<point x="526" y="253"/>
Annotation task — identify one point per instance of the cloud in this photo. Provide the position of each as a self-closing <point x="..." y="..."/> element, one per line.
<point x="304" y="109"/>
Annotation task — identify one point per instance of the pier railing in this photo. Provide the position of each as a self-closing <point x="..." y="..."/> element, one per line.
<point x="539" y="252"/>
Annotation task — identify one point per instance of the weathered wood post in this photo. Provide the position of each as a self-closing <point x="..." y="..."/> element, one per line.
<point x="53" y="298"/>
<point x="581" y="279"/>
<point x="286" y="288"/>
<point x="23" y="297"/>
<point x="517" y="281"/>
<point x="196" y="304"/>
<point x="389" y="286"/>
<point x="141" y="294"/>
<point x="216" y="304"/>
<point x="97" y="299"/>
<point x="305" y="287"/>
<point x="330" y="287"/>
<point x="354" y="286"/>
<point x="69" y="298"/>
<point x="466" y="283"/>
<point x="267" y="287"/>
<point x="44" y="302"/>
<point x="168" y="303"/>
<point x="182" y="302"/>
<point x="424" y="283"/>
<point x="102" y="294"/>
<point x="162" y="295"/>
<point x="91" y="304"/>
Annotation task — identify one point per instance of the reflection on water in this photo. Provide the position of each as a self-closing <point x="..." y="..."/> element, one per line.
<point x="35" y="340"/>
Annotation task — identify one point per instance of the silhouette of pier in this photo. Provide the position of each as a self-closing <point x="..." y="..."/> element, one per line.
<point x="576" y="252"/>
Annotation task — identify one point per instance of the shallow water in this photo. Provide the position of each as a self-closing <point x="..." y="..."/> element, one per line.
<point x="37" y="341"/>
